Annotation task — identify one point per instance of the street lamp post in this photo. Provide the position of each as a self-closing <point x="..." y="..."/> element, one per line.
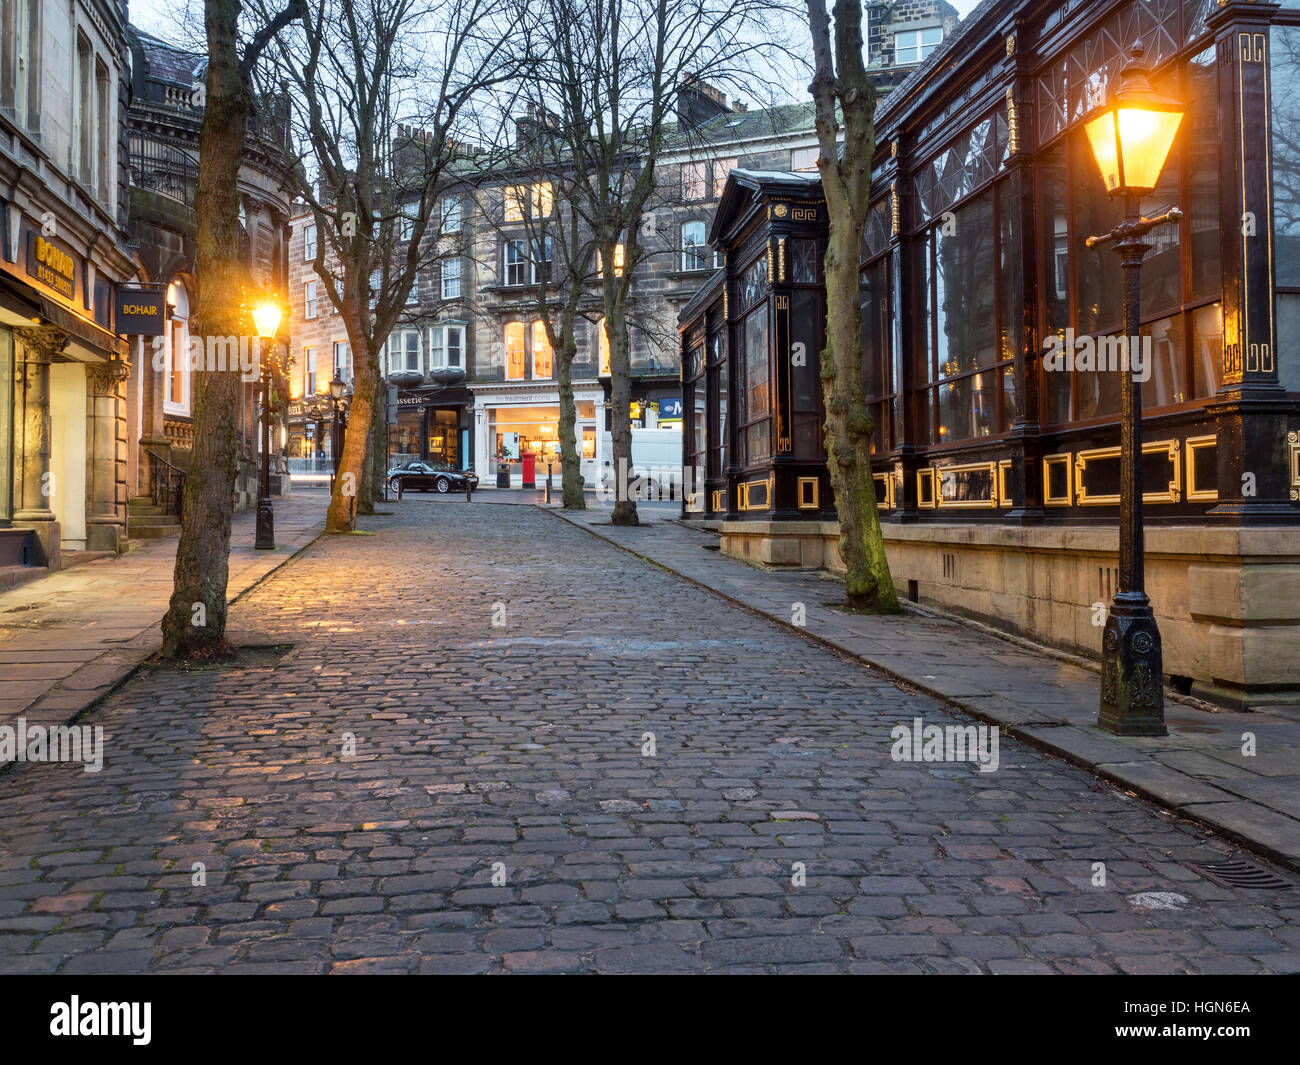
<point x="1130" y="140"/>
<point x="267" y="319"/>
<point x="337" y="388"/>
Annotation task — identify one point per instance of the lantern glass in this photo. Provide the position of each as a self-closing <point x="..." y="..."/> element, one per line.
<point x="1131" y="138"/>
<point x="336" y="387"/>
<point x="266" y="316"/>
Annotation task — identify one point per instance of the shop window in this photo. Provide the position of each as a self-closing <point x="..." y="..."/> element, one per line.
<point x="1207" y="349"/>
<point x="803" y="262"/>
<point x="805" y="380"/>
<point x="1166" y="383"/>
<point x="543" y="364"/>
<point x="966" y="408"/>
<point x="1200" y="140"/>
<point x="515" y="351"/>
<point x="755" y="388"/>
<point x="1285" y="87"/>
<point x="965" y="320"/>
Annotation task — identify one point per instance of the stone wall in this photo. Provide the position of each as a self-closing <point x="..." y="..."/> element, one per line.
<point x="1227" y="600"/>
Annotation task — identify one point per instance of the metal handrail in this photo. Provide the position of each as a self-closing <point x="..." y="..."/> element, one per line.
<point x="168" y="483"/>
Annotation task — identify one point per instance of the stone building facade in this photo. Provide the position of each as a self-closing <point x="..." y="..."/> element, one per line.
<point x="477" y="386"/>
<point x="902" y="34"/>
<point x="163" y="124"/>
<point x="63" y="219"/>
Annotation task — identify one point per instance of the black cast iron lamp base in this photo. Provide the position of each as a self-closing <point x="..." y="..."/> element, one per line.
<point x="1132" y="672"/>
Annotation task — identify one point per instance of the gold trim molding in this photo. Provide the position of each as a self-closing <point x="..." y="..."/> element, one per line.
<point x="1171" y="494"/>
<point x="1193" y="445"/>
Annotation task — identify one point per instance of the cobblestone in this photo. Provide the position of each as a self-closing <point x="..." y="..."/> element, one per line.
<point x="410" y="788"/>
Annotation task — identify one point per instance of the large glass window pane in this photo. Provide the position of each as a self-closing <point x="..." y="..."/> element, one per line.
<point x="1098" y="390"/>
<point x="1200" y="141"/>
<point x="874" y="296"/>
<point x="1285" y="86"/>
<point x="1288" y="340"/>
<point x="1011" y="324"/>
<point x="1055" y="389"/>
<point x="1207" y="349"/>
<point x="964" y="287"/>
<point x="966" y="408"/>
<point x="1010" y="399"/>
<point x="755" y="385"/>
<point x="1098" y="278"/>
<point x="1055" y="228"/>
<point x="1167" y="383"/>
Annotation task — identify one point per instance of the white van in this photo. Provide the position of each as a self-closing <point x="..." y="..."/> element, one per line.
<point x="656" y="459"/>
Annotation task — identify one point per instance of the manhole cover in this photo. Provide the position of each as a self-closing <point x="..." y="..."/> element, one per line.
<point x="1236" y="873"/>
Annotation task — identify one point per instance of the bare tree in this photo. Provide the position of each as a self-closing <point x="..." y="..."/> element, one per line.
<point x="360" y="72"/>
<point x="611" y="71"/>
<point x="202" y="556"/>
<point x="842" y="90"/>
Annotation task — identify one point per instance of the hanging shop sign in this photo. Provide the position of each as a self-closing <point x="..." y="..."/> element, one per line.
<point x="140" y="311"/>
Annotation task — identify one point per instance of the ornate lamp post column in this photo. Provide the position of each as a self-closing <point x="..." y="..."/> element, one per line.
<point x="267" y="319"/>
<point x="1131" y="139"/>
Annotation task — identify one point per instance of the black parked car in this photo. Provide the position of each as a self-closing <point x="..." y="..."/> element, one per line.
<point x="430" y="476"/>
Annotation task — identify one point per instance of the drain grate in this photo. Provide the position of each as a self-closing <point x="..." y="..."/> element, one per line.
<point x="1236" y="873"/>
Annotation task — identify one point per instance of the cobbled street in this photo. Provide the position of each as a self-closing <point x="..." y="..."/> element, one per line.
<point x="467" y="696"/>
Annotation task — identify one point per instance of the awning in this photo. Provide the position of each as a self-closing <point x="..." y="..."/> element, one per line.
<point x="93" y="336"/>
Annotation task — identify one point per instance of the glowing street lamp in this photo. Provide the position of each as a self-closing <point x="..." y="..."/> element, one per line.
<point x="266" y="317"/>
<point x="1130" y="140"/>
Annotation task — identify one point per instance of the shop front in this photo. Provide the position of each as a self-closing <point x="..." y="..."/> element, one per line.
<point x="997" y="460"/>
<point x="517" y="434"/>
<point x="63" y="373"/>
<point x="432" y="424"/>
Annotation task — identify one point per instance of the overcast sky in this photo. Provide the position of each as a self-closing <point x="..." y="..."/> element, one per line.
<point x="168" y="18"/>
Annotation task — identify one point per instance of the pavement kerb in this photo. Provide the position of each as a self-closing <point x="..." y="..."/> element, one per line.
<point x="1156" y="796"/>
<point x="143" y="654"/>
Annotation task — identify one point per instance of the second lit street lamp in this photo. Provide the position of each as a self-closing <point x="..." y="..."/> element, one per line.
<point x="266" y="316"/>
<point x="1130" y="140"/>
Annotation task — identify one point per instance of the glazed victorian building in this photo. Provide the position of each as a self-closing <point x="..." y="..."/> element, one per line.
<point x="998" y="478"/>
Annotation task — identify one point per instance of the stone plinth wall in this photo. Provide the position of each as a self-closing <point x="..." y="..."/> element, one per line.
<point x="1227" y="600"/>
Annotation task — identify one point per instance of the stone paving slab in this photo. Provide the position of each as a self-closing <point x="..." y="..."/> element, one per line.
<point x="1197" y="770"/>
<point x="70" y="638"/>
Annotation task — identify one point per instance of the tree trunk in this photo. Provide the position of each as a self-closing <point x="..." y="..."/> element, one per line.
<point x="570" y="456"/>
<point x="202" y="555"/>
<point x="620" y="388"/>
<point x="378" y="455"/>
<point x="341" y="517"/>
<point x="867" y="580"/>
